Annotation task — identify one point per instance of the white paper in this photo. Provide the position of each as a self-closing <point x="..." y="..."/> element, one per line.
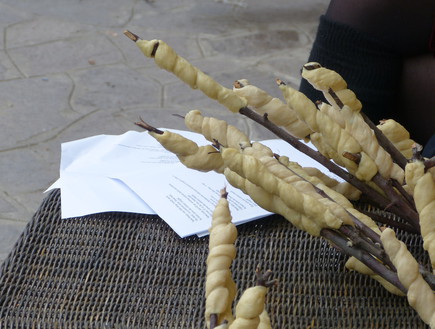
<point x="132" y="172"/>
<point x="186" y="201"/>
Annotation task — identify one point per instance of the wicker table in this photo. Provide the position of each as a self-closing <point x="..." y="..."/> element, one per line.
<point x="122" y="270"/>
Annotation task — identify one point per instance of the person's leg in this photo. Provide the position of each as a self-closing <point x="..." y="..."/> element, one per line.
<point x="403" y="25"/>
<point x="417" y="97"/>
<point x="369" y="42"/>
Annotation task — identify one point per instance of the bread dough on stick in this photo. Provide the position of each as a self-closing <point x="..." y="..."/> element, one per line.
<point x="202" y="158"/>
<point x="254" y="171"/>
<point x="277" y="111"/>
<point x="166" y="58"/>
<point x="306" y="187"/>
<point x="215" y="129"/>
<point x="420" y="295"/>
<point x="324" y="79"/>
<point x="264" y="320"/>
<point x="414" y="170"/>
<point x="424" y="197"/>
<point x="359" y="129"/>
<point x="220" y="289"/>
<point x="272" y="203"/>
<point x="398" y="135"/>
<point x="249" y="308"/>
<point x="331" y="132"/>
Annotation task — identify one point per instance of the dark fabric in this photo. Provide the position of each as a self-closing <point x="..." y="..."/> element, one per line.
<point x="429" y="148"/>
<point x="121" y="270"/>
<point x="371" y="69"/>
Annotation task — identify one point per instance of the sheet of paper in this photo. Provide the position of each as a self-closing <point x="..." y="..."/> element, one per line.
<point x="83" y="194"/>
<point x="187" y="200"/>
<point x="132" y="172"/>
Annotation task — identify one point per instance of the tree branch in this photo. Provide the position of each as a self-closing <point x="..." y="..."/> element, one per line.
<point x="342" y="244"/>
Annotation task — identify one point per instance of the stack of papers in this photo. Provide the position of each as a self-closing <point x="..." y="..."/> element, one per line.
<point x="134" y="173"/>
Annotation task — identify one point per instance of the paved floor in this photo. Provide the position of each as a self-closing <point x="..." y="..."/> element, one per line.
<point x="68" y="72"/>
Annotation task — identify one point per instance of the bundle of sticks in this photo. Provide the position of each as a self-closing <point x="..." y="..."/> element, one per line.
<point x="380" y="164"/>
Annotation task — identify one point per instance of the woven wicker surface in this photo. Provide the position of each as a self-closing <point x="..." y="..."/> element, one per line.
<point x="120" y="270"/>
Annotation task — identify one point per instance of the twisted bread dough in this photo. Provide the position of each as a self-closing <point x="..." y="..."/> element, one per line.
<point x="413" y="172"/>
<point x="322" y="79"/>
<point x="215" y="129"/>
<point x="323" y="147"/>
<point x="220" y="288"/>
<point x="342" y="188"/>
<point x="249" y="308"/>
<point x="336" y="137"/>
<point x="277" y="111"/>
<point x="424" y="196"/>
<point x="420" y="295"/>
<point x="272" y="203"/>
<point x="305" y="187"/>
<point x="202" y="158"/>
<point x="166" y="58"/>
<point x="257" y="150"/>
<point x="398" y="135"/>
<point x="332" y="112"/>
<point x="358" y="128"/>
<point x="341" y="201"/>
<point x="264" y="320"/>
<point x="254" y="171"/>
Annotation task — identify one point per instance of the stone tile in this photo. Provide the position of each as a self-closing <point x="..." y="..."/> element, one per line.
<point x="286" y="66"/>
<point x="10" y="232"/>
<point x="33" y="107"/>
<point x="108" y="13"/>
<point x="196" y="17"/>
<point x="9" y="16"/>
<point x="113" y="87"/>
<point x="258" y="43"/>
<point x="7" y="69"/>
<point x="42" y="29"/>
<point x="26" y="204"/>
<point x="22" y="171"/>
<point x="6" y="206"/>
<point x="65" y="55"/>
<point x="96" y="123"/>
<point x="269" y="12"/>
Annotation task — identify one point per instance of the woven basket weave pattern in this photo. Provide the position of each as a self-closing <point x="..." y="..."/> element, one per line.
<point x="121" y="270"/>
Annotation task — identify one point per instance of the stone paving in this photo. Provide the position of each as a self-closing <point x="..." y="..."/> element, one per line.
<point x="68" y="72"/>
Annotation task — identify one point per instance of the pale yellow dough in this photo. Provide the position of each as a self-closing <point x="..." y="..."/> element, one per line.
<point x="249" y="308"/>
<point x="215" y="129"/>
<point x="264" y="320"/>
<point x="277" y="111"/>
<point x="166" y="58"/>
<point x="420" y="295"/>
<point x="272" y="203"/>
<point x="338" y="139"/>
<point x="304" y="204"/>
<point x="414" y="170"/>
<point x="220" y="288"/>
<point x="322" y="79"/>
<point x="398" y="135"/>
<point x="359" y="129"/>
<point x="424" y="197"/>
<point x="202" y="158"/>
